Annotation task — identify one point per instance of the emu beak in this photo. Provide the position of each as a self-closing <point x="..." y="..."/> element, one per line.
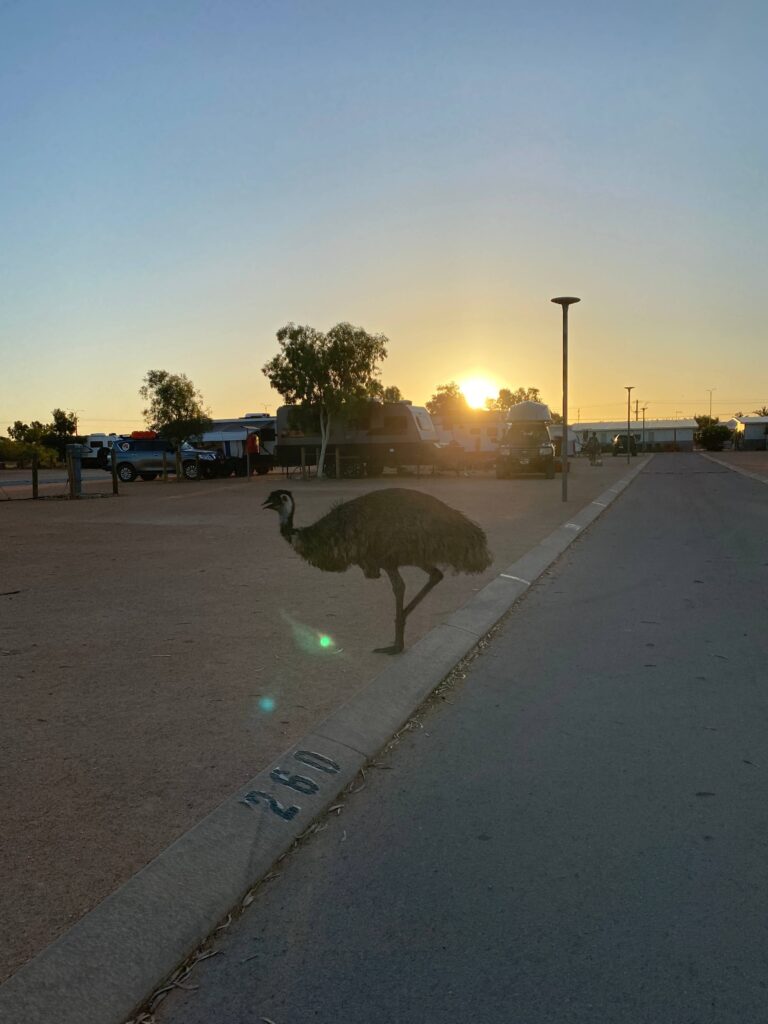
<point x="269" y="503"/>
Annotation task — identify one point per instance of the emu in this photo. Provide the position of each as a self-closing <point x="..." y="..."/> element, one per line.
<point x="385" y="530"/>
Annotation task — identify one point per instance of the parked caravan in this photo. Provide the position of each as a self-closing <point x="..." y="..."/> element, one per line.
<point x="469" y="439"/>
<point x="379" y="435"/>
<point x="96" y="450"/>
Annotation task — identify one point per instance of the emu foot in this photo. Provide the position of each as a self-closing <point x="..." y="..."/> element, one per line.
<point x="394" y="649"/>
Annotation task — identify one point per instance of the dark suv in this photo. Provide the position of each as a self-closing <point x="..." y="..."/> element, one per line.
<point x="619" y="446"/>
<point x="526" y="447"/>
<point x="144" y="457"/>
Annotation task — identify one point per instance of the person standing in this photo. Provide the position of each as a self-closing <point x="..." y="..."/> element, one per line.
<point x="251" y="450"/>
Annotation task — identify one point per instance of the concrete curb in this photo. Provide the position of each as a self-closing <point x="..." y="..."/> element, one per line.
<point x="736" y="469"/>
<point x="106" y="967"/>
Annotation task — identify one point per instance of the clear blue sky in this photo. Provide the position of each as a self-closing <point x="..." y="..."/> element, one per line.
<point x="179" y="179"/>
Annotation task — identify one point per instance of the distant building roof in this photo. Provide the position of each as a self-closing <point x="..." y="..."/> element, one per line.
<point x="752" y="419"/>
<point x="617" y="425"/>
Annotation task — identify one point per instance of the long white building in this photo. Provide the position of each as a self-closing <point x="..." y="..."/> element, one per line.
<point x="659" y="436"/>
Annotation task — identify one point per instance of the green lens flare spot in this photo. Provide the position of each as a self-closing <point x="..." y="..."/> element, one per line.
<point x="325" y="641"/>
<point x="266" y="704"/>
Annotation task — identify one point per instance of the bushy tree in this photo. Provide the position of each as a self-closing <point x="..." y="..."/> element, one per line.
<point x="175" y="408"/>
<point x="62" y="428"/>
<point x="64" y="423"/>
<point x="762" y="411"/>
<point x="507" y="398"/>
<point x="448" y="403"/>
<point x="392" y="394"/>
<point x="325" y="374"/>
<point x="28" y="433"/>
<point x="713" y="436"/>
<point x="388" y="394"/>
<point x="706" y="421"/>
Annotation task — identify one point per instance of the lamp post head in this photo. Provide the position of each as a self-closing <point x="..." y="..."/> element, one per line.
<point x="565" y="300"/>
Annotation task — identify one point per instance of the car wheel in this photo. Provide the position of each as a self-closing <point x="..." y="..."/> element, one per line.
<point x="262" y="470"/>
<point x="148" y="476"/>
<point x="501" y="474"/>
<point x="126" y="472"/>
<point x="550" y="472"/>
<point x="190" y="470"/>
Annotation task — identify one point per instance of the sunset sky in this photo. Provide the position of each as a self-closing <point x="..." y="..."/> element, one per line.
<point x="179" y="179"/>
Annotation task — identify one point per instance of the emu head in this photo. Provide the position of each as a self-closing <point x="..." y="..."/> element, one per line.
<point x="282" y="502"/>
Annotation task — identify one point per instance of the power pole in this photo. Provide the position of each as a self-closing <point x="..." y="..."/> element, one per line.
<point x="629" y="390"/>
<point x="644" y="408"/>
<point x="637" y="415"/>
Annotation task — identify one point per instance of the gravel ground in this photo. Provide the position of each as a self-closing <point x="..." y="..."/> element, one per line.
<point x="139" y="639"/>
<point x="752" y="462"/>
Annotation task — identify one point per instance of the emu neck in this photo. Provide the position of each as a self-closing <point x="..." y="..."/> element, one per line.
<point x="286" y="525"/>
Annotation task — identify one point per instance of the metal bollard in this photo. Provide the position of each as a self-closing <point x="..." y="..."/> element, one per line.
<point x="74" y="469"/>
<point x="34" y="475"/>
<point x="115" y="485"/>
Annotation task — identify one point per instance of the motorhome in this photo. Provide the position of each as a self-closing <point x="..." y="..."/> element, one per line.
<point x="526" y="445"/>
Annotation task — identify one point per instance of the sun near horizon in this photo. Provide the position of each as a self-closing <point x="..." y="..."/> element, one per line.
<point x="476" y="390"/>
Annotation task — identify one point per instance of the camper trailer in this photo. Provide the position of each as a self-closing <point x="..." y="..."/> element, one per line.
<point x="378" y="435"/>
<point x="469" y="439"/>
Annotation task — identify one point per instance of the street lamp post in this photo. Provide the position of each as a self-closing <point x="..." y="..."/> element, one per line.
<point x="565" y="301"/>
<point x="629" y="391"/>
<point x="644" y="408"/>
<point x="710" y="390"/>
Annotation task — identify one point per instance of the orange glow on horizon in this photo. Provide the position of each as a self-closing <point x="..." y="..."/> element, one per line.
<point x="476" y="390"/>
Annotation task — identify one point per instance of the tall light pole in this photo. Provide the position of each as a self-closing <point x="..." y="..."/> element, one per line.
<point x="710" y="390"/>
<point x="565" y="301"/>
<point x="629" y="391"/>
<point x="644" y="448"/>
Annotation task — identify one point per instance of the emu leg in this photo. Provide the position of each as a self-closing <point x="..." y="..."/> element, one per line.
<point x="398" y="586"/>
<point x="434" y="578"/>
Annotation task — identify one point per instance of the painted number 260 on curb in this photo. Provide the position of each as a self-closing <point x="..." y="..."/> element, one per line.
<point x="298" y="783"/>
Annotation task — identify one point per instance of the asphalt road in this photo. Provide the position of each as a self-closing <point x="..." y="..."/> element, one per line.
<point x="582" y="834"/>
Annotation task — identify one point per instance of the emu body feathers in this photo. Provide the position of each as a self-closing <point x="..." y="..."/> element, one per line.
<point x="392" y="528"/>
<point x="382" y="531"/>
